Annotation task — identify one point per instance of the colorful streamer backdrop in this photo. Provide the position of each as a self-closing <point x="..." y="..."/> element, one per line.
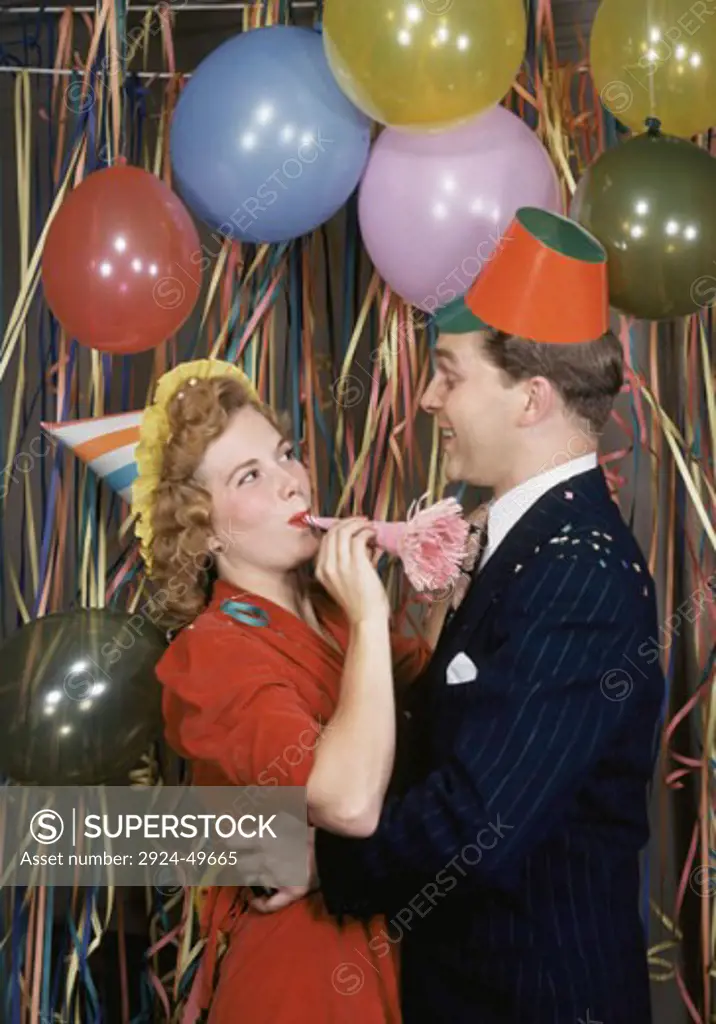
<point x="323" y="338"/>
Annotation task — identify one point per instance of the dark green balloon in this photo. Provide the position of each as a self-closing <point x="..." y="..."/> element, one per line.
<point x="79" y="700"/>
<point x="651" y="202"/>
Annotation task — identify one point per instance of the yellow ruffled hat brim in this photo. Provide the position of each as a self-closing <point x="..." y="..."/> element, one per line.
<point x="154" y="434"/>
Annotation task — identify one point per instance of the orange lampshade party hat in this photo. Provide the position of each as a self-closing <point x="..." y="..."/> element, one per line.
<point x="546" y="281"/>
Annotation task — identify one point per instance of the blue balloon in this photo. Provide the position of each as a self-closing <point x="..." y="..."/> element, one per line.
<point x="264" y="145"/>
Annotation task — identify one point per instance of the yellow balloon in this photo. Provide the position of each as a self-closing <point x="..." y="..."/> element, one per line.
<point x="657" y="58"/>
<point x="424" y="64"/>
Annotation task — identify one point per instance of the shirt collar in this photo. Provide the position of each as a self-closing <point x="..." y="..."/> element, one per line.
<point x="506" y="511"/>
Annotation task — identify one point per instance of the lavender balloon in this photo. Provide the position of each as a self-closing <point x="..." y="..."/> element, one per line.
<point x="432" y="207"/>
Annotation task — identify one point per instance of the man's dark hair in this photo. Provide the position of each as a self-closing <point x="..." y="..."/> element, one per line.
<point x="587" y="375"/>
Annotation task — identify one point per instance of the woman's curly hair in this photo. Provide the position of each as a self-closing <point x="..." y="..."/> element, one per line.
<point x="182" y="563"/>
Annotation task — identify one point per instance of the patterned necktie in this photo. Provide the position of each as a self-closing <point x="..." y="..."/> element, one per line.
<point x="476" y="544"/>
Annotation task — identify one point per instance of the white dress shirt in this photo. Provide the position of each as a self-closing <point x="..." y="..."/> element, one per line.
<point x="504" y="513"/>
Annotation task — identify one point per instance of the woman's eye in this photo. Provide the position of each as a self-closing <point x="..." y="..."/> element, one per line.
<point x="290" y="452"/>
<point x="247" y="477"/>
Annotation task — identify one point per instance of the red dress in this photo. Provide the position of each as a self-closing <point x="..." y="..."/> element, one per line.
<point x="245" y="691"/>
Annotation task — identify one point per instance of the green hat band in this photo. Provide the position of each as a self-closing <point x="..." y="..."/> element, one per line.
<point x="456" y="318"/>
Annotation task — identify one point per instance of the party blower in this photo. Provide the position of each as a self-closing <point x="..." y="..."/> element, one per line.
<point x="431" y="543"/>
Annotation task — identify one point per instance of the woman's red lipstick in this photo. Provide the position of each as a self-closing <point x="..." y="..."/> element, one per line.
<point x="299" y="519"/>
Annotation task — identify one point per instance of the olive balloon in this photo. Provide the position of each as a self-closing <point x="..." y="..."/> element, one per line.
<point x="651" y="202"/>
<point x="79" y="700"/>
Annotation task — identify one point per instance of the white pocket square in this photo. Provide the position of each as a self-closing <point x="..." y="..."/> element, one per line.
<point x="461" y="670"/>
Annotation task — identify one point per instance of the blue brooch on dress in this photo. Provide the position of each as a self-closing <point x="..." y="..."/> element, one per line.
<point x="245" y="613"/>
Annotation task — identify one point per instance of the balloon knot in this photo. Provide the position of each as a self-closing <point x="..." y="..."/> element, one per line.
<point x="121" y="161"/>
<point x="653" y="125"/>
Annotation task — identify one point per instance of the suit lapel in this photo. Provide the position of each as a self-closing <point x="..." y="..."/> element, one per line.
<point x="554" y="515"/>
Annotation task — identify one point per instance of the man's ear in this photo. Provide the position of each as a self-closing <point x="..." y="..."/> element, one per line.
<point x="540" y="399"/>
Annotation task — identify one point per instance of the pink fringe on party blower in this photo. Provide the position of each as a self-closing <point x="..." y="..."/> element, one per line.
<point x="431" y="544"/>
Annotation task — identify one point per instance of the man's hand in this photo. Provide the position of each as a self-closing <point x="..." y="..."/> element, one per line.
<point x="288" y="894"/>
<point x="281" y="898"/>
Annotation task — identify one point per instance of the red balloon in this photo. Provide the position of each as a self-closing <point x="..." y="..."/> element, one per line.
<point x="120" y="265"/>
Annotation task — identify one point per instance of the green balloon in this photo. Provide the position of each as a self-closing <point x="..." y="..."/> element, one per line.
<point x="651" y="202"/>
<point x="79" y="700"/>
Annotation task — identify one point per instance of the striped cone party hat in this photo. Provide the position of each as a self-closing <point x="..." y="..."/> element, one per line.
<point x="107" y="445"/>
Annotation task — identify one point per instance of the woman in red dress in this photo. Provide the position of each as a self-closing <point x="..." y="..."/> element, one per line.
<point x="269" y="655"/>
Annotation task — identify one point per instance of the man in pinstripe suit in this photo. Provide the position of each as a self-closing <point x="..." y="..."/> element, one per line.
<point x="509" y="866"/>
<point x="508" y="863"/>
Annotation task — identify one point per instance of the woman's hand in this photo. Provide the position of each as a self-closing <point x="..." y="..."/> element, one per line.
<point x="345" y="568"/>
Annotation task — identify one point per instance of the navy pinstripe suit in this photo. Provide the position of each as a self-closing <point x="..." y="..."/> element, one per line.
<point x="509" y="864"/>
